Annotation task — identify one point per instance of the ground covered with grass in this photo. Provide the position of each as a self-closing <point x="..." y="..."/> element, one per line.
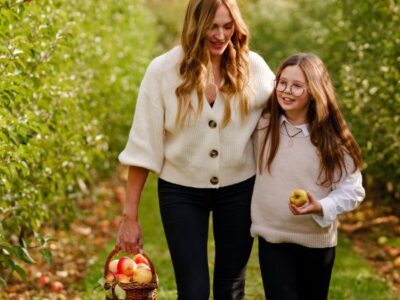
<point x="79" y="253"/>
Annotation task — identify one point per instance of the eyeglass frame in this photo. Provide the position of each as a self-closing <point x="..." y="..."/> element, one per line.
<point x="304" y="88"/>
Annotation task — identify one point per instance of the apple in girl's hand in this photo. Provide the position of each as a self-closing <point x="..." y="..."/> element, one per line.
<point x="123" y="278"/>
<point x="143" y="274"/>
<point x="126" y="266"/>
<point x="140" y="259"/>
<point x="298" y="197"/>
<point x="112" y="267"/>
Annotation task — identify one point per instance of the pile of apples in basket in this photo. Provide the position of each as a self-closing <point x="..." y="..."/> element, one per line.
<point x="126" y="269"/>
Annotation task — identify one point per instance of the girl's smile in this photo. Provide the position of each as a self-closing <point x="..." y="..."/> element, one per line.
<point x="292" y="94"/>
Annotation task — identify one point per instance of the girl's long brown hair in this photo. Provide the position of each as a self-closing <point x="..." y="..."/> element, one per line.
<point x="329" y="132"/>
<point x="193" y="68"/>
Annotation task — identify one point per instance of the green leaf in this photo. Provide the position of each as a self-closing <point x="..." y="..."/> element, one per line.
<point x="20" y="272"/>
<point x="2" y="282"/>
<point x="101" y="281"/>
<point x="119" y="292"/>
<point x="109" y="293"/>
<point x="46" y="253"/>
<point x="26" y="257"/>
<point x="24" y="245"/>
<point x="39" y="238"/>
<point x="49" y="239"/>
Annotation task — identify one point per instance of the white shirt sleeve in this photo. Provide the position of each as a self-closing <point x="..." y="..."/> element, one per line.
<point x="345" y="196"/>
<point x="145" y="146"/>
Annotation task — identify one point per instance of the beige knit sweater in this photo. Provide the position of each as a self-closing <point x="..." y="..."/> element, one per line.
<point x="295" y="166"/>
<point x="202" y="154"/>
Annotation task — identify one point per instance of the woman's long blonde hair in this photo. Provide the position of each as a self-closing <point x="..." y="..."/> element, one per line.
<point x="328" y="129"/>
<point x="193" y="68"/>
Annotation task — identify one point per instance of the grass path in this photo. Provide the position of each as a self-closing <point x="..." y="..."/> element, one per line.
<point x="352" y="277"/>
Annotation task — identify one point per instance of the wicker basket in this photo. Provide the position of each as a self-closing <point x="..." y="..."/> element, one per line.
<point x="134" y="290"/>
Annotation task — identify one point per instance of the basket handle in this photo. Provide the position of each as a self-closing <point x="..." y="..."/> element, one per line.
<point x="115" y="251"/>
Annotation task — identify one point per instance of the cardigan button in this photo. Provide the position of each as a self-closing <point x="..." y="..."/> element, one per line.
<point x="214" y="180"/>
<point x="212" y="124"/>
<point x="213" y="153"/>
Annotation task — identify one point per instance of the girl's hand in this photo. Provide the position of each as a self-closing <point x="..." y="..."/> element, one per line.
<point x="129" y="237"/>
<point x="311" y="207"/>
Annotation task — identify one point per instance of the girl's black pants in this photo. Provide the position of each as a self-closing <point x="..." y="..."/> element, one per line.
<point x="294" y="272"/>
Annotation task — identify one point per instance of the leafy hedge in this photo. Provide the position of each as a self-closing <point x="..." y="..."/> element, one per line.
<point x="69" y="72"/>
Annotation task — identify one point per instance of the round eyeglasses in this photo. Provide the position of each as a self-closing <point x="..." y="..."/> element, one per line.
<point x="295" y="89"/>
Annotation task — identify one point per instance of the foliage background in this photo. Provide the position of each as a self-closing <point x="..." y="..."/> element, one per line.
<point x="69" y="73"/>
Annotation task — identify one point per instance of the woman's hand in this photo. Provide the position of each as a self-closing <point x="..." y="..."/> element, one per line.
<point x="311" y="207"/>
<point x="129" y="238"/>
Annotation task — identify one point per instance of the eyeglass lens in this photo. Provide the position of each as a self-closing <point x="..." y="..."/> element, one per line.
<point x="295" y="89"/>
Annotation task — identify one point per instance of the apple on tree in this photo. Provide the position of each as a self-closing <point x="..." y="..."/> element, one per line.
<point x="298" y="197"/>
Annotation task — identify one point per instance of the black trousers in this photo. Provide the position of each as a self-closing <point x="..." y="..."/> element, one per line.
<point x="295" y="272"/>
<point x="185" y="213"/>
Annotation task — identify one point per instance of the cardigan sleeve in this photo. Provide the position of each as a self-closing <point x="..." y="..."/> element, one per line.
<point x="145" y="146"/>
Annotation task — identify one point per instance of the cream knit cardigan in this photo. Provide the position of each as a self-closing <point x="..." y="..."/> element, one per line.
<point x="202" y="154"/>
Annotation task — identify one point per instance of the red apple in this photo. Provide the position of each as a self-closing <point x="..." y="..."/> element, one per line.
<point x="140" y="259"/>
<point x="143" y="275"/>
<point x="112" y="267"/>
<point x="44" y="280"/>
<point x="142" y="265"/>
<point x="123" y="278"/>
<point x="126" y="266"/>
<point x="57" y="286"/>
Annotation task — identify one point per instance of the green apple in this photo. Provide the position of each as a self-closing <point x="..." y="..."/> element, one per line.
<point x="298" y="197"/>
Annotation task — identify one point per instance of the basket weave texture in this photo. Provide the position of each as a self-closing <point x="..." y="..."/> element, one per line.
<point x="133" y="290"/>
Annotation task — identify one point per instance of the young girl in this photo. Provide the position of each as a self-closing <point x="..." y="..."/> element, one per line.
<point x="302" y="142"/>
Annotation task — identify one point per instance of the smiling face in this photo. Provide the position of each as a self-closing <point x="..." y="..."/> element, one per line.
<point x="292" y="94"/>
<point x="222" y="29"/>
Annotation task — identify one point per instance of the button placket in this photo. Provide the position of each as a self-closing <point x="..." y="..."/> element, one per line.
<point x="213" y="153"/>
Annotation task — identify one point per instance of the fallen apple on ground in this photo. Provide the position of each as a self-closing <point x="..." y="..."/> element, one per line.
<point x="44" y="280"/>
<point x="57" y="286"/>
<point x="298" y="197"/>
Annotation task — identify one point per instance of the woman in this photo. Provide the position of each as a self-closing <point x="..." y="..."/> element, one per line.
<point x="197" y="107"/>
